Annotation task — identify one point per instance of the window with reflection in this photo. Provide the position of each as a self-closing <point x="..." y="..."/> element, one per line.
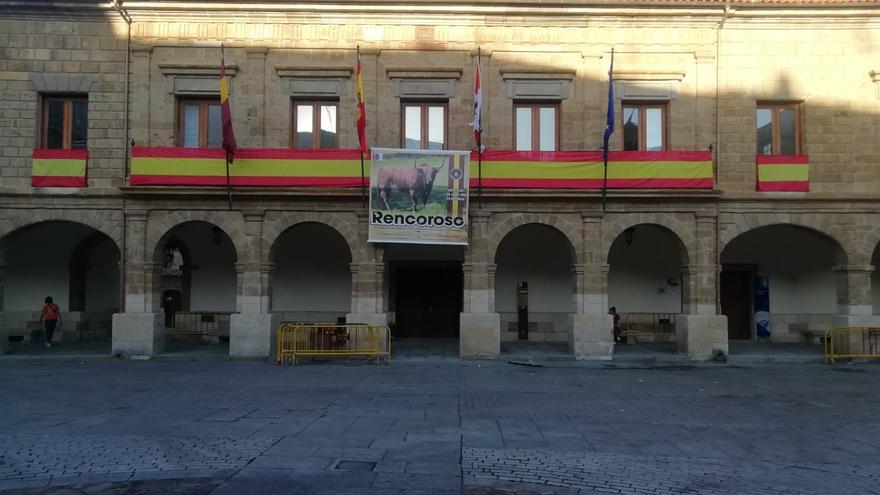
<point x="424" y="125"/>
<point x="314" y="124"/>
<point x="644" y="126"/>
<point x="198" y="123"/>
<point x="65" y="123"/>
<point x="779" y="129"/>
<point x="535" y="126"/>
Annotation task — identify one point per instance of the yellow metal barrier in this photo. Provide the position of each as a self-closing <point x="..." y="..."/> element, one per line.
<point x="852" y="343"/>
<point x="329" y="339"/>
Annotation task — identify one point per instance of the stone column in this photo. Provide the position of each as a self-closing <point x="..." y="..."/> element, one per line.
<point x="479" y="324"/>
<point x="700" y="331"/>
<point x="4" y="333"/>
<point x="854" y="304"/>
<point x="592" y="328"/>
<point x="140" y="329"/>
<point x="252" y="97"/>
<point x="367" y="280"/>
<point x="251" y="328"/>
<point x="367" y="294"/>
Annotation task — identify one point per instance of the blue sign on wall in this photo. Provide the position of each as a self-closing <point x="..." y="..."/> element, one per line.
<point x="762" y="307"/>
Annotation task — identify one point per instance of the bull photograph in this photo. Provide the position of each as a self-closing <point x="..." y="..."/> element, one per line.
<point x="419" y="196"/>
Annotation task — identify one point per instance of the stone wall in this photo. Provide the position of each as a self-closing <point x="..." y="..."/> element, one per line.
<point x="40" y="56"/>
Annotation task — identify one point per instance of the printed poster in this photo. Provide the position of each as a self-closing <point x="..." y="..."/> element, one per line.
<point x="762" y="307"/>
<point x="419" y="196"/>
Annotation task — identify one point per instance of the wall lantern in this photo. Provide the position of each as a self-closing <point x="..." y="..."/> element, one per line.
<point x="628" y="235"/>
<point x="217" y="235"/>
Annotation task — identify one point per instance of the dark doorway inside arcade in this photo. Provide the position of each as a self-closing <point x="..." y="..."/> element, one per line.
<point x="428" y="301"/>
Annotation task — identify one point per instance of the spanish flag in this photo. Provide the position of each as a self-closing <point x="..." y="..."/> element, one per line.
<point x="59" y="168"/>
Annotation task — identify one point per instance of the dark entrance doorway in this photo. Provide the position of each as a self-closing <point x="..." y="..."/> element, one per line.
<point x="428" y="301"/>
<point x="736" y="303"/>
<point x="172" y="302"/>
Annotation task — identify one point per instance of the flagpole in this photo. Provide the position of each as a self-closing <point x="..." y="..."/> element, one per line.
<point x="363" y="183"/>
<point x="609" y="129"/>
<point x="228" y="181"/>
<point x="228" y="187"/>
<point x="605" y="177"/>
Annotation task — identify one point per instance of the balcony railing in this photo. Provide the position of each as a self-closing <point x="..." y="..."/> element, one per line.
<point x="500" y="169"/>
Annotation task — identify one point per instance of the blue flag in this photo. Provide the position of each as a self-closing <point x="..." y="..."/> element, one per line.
<point x="609" y="129"/>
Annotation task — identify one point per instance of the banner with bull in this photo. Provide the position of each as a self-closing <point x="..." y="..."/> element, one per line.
<point x="419" y="196"/>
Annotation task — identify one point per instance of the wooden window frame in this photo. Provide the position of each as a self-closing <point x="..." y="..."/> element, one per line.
<point x="203" y="103"/>
<point x="66" y="125"/>
<point x="643" y="107"/>
<point x="535" y="106"/>
<point x="775" y="142"/>
<point x="423" y="121"/>
<point x="316" y="122"/>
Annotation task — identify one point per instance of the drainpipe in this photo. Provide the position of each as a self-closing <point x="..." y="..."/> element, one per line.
<point x="726" y="14"/>
<point x="117" y="5"/>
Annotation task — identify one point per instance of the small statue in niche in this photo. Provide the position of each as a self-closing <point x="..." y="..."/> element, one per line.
<point x="173" y="262"/>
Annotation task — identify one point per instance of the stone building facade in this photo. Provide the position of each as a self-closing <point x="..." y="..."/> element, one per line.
<point x="710" y="65"/>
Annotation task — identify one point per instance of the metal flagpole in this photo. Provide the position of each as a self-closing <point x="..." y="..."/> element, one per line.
<point x="228" y="187"/>
<point x="363" y="184"/>
<point x="228" y="180"/>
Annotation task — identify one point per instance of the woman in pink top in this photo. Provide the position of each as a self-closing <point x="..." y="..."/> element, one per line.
<point x="50" y="316"/>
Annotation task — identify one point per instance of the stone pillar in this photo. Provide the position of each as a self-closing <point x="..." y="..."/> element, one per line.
<point x="140" y="329"/>
<point x="854" y="304"/>
<point x="252" y="97"/>
<point x="700" y="331"/>
<point x="367" y="281"/>
<point x="4" y="332"/>
<point x="367" y="294"/>
<point x="251" y="328"/>
<point x="479" y="324"/>
<point x="592" y="328"/>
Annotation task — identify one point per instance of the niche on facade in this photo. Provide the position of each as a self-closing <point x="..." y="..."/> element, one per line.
<point x="193" y="79"/>
<point x="315" y="83"/>
<point x="424" y="84"/>
<point x="538" y="84"/>
<point x="654" y="86"/>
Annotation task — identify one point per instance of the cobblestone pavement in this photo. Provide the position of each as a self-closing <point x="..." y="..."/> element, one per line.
<point x="436" y="426"/>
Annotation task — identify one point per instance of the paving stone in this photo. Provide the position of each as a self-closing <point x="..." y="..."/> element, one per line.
<point x="715" y="430"/>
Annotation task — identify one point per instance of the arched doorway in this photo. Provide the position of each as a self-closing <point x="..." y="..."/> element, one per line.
<point x="645" y="284"/>
<point x="535" y="285"/>
<point x="196" y="285"/>
<point x="78" y="267"/>
<point x="312" y="278"/>
<point x="782" y="275"/>
<point x="425" y="290"/>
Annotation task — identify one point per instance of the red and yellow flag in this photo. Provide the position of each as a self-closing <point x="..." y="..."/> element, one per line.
<point x="783" y="173"/>
<point x="362" y="111"/>
<point x="59" y="168"/>
<point x="225" y="114"/>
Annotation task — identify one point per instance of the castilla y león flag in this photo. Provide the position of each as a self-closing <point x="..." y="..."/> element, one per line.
<point x="225" y="113"/>
<point x="362" y="111"/>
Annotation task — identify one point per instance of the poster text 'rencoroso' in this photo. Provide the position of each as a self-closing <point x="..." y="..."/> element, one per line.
<point x="437" y="221"/>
